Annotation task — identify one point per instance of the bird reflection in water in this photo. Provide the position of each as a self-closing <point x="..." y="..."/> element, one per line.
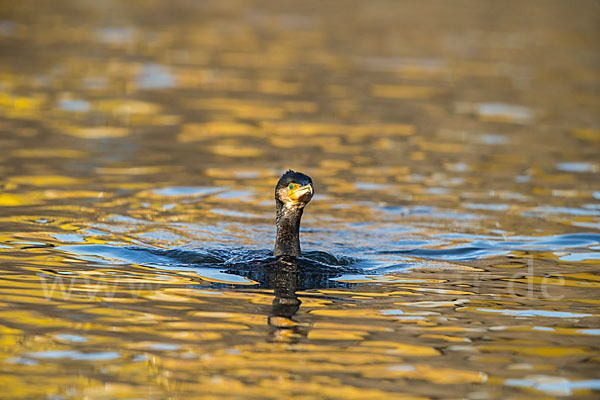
<point x="287" y="275"/>
<point x="285" y="281"/>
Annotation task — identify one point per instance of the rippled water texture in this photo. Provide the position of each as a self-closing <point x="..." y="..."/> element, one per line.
<point x="451" y="250"/>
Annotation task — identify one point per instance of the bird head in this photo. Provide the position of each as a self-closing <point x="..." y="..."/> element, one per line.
<point x="294" y="189"/>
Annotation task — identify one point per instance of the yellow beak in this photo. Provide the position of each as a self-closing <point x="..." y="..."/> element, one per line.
<point x="301" y="193"/>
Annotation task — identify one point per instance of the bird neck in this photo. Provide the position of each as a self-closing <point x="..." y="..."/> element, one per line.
<point x="288" y="231"/>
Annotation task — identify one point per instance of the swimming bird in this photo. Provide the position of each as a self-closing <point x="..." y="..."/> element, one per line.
<point x="292" y="193"/>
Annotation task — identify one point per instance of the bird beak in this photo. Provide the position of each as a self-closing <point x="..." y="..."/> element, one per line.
<point x="303" y="193"/>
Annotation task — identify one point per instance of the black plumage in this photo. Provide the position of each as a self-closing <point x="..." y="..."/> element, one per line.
<point x="292" y="193"/>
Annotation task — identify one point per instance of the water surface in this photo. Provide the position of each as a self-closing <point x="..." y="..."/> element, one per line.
<point x="451" y="249"/>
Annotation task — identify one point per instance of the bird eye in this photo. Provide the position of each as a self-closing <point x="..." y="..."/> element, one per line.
<point x="291" y="186"/>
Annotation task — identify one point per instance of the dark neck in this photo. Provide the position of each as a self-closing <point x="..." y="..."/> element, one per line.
<point x="288" y="231"/>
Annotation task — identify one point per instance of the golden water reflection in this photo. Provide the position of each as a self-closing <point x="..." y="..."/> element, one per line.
<point x="454" y="150"/>
<point x="170" y="333"/>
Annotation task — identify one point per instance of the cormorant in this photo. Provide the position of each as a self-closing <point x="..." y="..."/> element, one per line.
<point x="292" y="193"/>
